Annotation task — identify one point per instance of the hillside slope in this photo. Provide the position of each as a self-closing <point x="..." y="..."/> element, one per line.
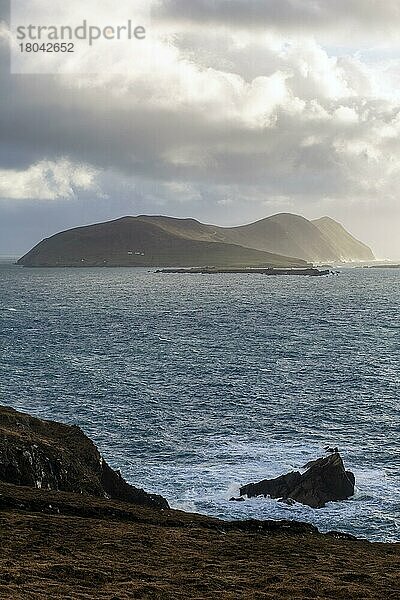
<point x="61" y="546"/>
<point x="136" y="242"/>
<point x="346" y="246"/>
<point x="282" y="240"/>
<point x="284" y="234"/>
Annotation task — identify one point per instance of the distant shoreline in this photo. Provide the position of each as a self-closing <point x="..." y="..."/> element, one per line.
<point x="389" y="266"/>
<point x="311" y="272"/>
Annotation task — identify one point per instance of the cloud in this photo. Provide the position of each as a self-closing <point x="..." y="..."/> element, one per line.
<point x="363" y="18"/>
<point x="241" y="105"/>
<point x="47" y="180"/>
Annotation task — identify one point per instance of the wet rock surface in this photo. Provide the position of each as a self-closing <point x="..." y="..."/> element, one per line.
<point x="52" y="456"/>
<point x="325" y="480"/>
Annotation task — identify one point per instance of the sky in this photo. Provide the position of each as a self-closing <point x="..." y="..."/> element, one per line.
<point x="242" y="109"/>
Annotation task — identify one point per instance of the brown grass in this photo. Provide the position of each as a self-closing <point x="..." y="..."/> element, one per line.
<point x="62" y="546"/>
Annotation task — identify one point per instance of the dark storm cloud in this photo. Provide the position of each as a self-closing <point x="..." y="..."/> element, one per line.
<point x="230" y="121"/>
<point x="44" y="117"/>
<point x="297" y="15"/>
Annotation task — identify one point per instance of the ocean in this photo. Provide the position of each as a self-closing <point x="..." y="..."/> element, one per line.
<point x="193" y="385"/>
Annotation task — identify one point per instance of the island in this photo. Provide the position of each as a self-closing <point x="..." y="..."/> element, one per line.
<point x="282" y="241"/>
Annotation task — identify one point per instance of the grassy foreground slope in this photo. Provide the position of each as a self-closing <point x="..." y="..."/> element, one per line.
<point x="57" y="545"/>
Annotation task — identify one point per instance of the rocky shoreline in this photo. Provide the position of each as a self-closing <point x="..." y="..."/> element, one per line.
<point x="71" y="527"/>
<point x="53" y="456"/>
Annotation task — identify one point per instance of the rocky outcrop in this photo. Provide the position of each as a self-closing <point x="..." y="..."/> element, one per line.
<point x="53" y="456"/>
<point x="325" y="480"/>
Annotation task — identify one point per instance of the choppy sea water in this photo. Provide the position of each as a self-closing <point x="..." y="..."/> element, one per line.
<point x="193" y="385"/>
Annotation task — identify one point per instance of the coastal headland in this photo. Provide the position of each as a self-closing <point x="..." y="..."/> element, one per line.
<point x="88" y="545"/>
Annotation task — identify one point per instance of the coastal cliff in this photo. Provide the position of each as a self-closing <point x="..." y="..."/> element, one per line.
<point x="85" y="543"/>
<point x="53" y="456"/>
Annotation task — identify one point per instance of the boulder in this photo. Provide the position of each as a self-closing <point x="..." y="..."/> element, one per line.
<point x="325" y="480"/>
<point x="53" y="456"/>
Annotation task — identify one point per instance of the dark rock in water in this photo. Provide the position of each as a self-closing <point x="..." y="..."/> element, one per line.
<point x="275" y="488"/>
<point x="233" y="499"/>
<point x="325" y="480"/>
<point x="49" y="455"/>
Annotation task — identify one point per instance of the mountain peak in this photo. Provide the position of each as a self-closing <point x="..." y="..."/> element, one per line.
<point x="344" y="243"/>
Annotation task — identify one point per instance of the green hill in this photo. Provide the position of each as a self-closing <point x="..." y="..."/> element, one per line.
<point x="134" y="242"/>
<point x="282" y="240"/>
<point x="284" y="234"/>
